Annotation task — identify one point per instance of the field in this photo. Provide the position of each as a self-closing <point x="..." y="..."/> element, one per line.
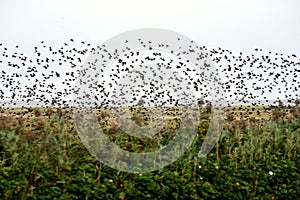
<point x="257" y="157"/>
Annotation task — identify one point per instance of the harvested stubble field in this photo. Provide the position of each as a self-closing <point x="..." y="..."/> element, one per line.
<point x="256" y="157"/>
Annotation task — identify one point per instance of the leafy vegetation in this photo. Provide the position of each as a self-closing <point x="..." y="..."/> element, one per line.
<point x="41" y="157"/>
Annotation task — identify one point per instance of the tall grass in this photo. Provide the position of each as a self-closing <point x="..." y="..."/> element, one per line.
<point x="41" y="157"/>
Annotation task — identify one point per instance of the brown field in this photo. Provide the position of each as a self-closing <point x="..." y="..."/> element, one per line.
<point x="171" y="113"/>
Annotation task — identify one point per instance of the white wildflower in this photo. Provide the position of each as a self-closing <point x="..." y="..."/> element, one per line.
<point x="271" y="173"/>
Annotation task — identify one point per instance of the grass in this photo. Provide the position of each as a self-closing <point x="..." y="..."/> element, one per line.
<point x="256" y="157"/>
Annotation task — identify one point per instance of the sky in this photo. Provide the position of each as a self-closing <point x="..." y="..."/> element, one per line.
<point x="238" y="25"/>
<point x="233" y="24"/>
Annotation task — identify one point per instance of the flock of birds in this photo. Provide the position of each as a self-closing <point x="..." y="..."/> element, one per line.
<point x="48" y="75"/>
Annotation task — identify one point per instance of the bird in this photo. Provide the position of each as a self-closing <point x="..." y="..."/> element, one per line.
<point x="247" y="78"/>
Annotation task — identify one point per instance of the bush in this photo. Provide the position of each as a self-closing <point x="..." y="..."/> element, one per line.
<point x="47" y="161"/>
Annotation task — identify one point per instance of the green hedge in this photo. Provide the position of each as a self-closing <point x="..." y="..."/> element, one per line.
<point x="253" y="162"/>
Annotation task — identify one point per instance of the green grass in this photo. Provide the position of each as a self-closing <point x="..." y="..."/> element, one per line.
<point x="42" y="157"/>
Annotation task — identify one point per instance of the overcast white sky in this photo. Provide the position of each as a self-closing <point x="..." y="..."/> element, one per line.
<point x="237" y="25"/>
